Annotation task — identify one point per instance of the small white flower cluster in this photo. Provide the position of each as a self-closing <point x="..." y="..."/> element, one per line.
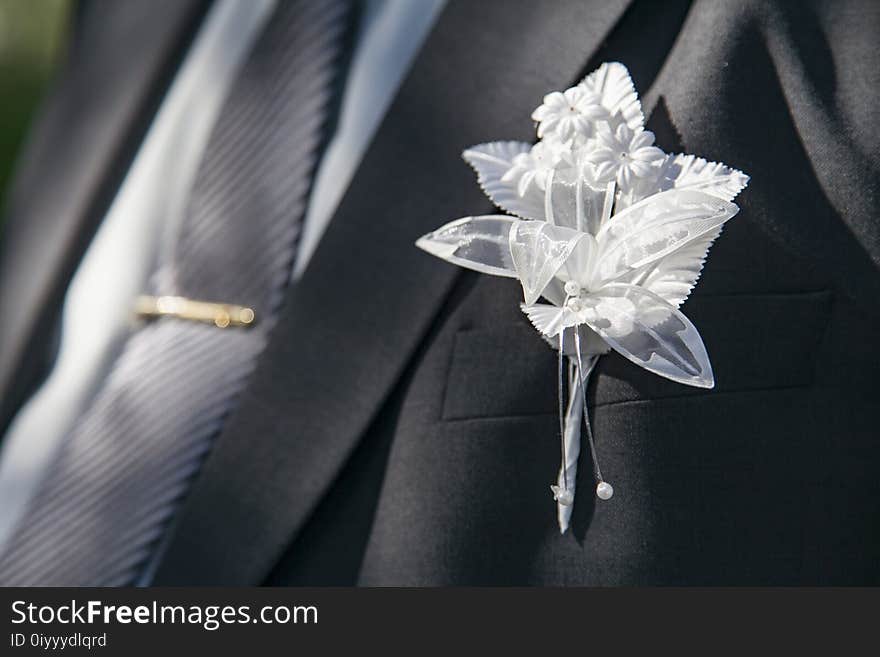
<point x="594" y="130"/>
<point x="595" y="205"/>
<point x="593" y="134"/>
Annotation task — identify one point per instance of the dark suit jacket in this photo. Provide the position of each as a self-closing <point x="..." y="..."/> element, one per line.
<point x="401" y="425"/>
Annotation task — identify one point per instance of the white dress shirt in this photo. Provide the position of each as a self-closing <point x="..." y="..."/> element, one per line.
<point x="97" y="312"/>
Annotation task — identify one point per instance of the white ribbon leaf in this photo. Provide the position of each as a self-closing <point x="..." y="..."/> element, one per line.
<point x="577" y="267"/>
<point x="539" y="250"/>
<point x="651" y="333"/>
<point x="656" y="227"/>
<point x="478" y="243"/>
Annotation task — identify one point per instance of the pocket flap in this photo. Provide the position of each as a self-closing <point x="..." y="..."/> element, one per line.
<point x="760" y="341"/>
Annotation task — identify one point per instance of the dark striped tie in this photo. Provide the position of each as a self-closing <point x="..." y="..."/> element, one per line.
<point x="122" y="472"/>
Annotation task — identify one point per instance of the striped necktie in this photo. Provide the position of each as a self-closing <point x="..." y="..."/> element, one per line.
<point x="121" y="474"/>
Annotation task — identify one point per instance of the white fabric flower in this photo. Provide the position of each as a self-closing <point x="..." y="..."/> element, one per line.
<point x="624" y="155"/>
<point x="569" y="113"/>
<point x="603" y="276"/>
<point x="535" y="166"/>
<point x="609" y="230"/>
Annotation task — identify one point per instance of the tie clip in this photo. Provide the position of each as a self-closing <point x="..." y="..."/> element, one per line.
<point x="221" y="315"/>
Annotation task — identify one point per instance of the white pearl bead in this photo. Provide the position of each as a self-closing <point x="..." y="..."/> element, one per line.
<point x="572" y="289"/>
<point x="604" y="490"/>
<point x="575" y="305"/>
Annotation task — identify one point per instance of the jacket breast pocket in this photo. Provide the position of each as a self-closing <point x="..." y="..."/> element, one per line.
<point x="503" y="371"/>
<point x="755" y="341"/>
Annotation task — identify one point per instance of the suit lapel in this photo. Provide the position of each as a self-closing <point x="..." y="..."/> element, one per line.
<point x="120" y="61"/>
<point x="368" y="296"/>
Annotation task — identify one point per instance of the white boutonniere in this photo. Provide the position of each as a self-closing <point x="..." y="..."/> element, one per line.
<point x="610" y="231"/>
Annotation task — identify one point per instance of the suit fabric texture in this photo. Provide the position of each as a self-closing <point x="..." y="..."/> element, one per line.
<point x="400" y="427"/>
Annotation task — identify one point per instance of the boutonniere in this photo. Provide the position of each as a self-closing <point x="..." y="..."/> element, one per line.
<point x="608" y="230"/>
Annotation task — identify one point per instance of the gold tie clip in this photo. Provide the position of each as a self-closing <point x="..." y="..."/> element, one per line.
<point x="221" y="315"/>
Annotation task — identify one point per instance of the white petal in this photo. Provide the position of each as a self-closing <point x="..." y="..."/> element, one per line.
<point x="612" y="83"/>
<point x="643" y="328"/>
<point x="625" y="178"/>
<point x="478" y="243"/>
<point x="600" y="154"/>
<point x="647" y="154"/>
<point x="653" y="228"/>
<point x="555" y="99"/>
<point x="491" y="161"/>
<point x="540" y="113"/>
<point x="571" y="96"/>
<point x="641" y="139"/>
<point x="605" y="171"/>
<point x="640" y="169"/>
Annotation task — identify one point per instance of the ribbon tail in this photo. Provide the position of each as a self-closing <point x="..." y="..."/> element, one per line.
<point x="574" y="415"/>
<point x="568" y="471"/>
